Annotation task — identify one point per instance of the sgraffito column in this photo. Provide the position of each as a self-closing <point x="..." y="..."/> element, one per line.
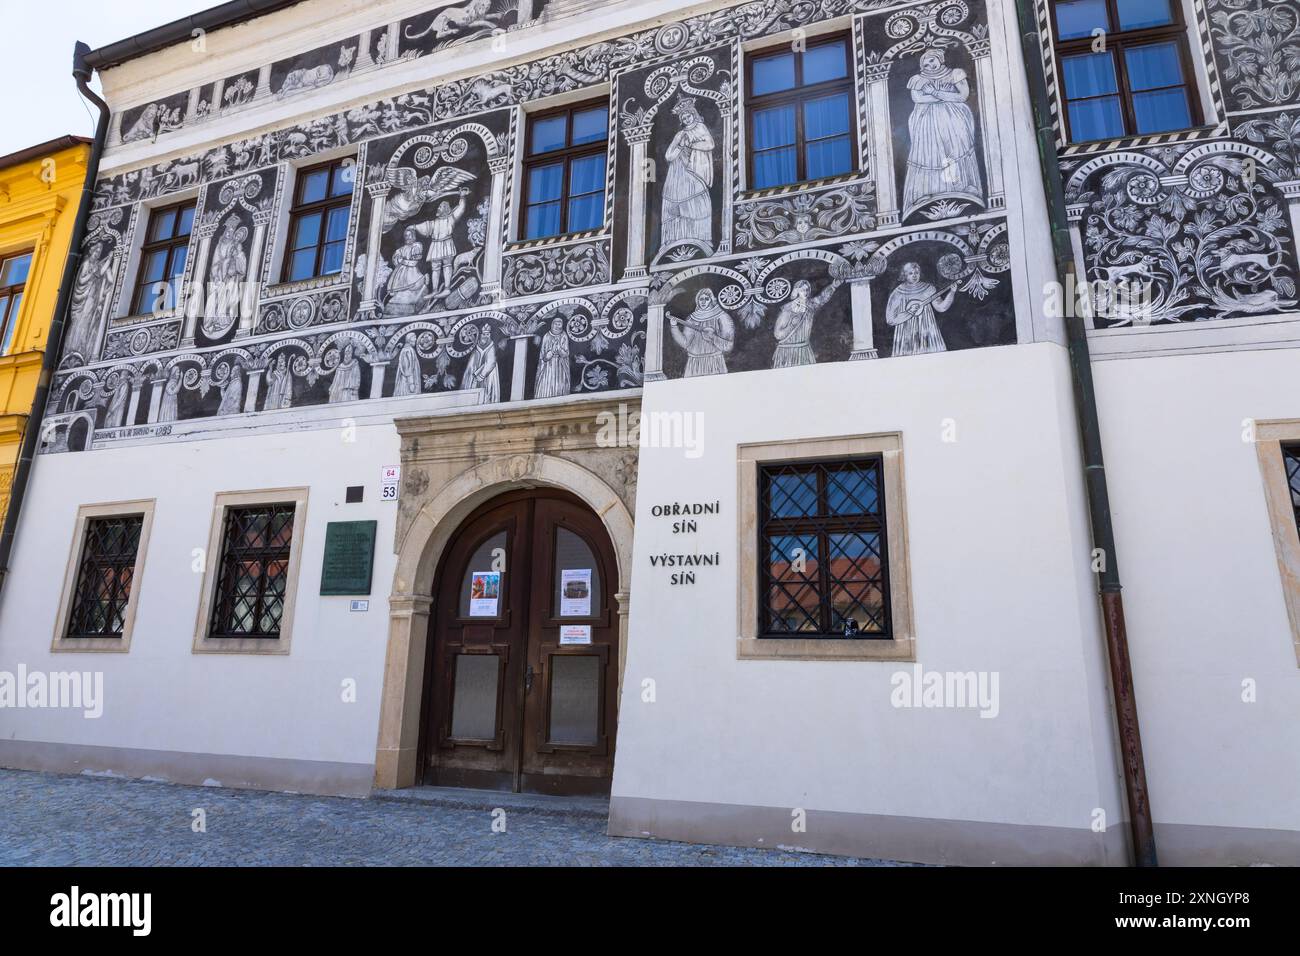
<point x="882" y="142"/>
<point x="254" y="384"/>
<point x="982" y="52"/>
<point x="253" y="281"/>
<point x="634" y="265"/>
<point x="654" y="341"/>
<point x="198" y="282"/>
<point x="518" y="376"/>
<point x="728" y="175"/>
<point x="499" y="167"/>
<point x="864" y="346"/>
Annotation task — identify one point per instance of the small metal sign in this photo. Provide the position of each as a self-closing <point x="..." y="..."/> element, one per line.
<point x="349" y="557"/>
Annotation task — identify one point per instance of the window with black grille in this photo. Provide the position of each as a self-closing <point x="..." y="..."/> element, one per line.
<point x="823" y="570"/>
<point x="254" y="572"/>
<point x="1291" y="458"/>
<point x="105" y="575"/>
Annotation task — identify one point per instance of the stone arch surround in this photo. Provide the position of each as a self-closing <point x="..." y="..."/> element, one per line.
<point x="450" y="466"/>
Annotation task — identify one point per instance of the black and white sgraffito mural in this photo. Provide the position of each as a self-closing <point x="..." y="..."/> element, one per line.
<point x="688" y="275"/>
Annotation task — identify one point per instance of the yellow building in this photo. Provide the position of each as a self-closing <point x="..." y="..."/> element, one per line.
<point x="39" y="190"/>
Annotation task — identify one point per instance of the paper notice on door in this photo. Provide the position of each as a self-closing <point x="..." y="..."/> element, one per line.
<point x="575" y="592"/>
<point x="575" y="633"/>
<point x="484" y="592"/>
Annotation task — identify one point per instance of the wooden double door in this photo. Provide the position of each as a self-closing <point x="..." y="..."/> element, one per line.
<point x="520" y="692"/>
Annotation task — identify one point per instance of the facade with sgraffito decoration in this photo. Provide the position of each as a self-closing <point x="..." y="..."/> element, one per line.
<point x="672" y="400"/>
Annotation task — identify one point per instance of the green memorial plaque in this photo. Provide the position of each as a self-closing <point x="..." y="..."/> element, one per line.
<point x="349" y="557"/>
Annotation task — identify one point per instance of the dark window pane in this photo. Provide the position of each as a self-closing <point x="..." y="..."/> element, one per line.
<point x="575" y="700"/>
<point x="586" y="175"/>
<point x="337" y="227"/>
<point x="549" y="134"/>
<point x="545" y="183"/>
<point x="1140" y="14"/>
<point x="1091" y="74"/>
<point x="773" y="73"/>
<point x="315" y="185"/>
<point x="775" y="168"/>
<point x="543" y="220"/>
<point x="15" y="270"/>
<point x="829" y="157"/>
<point x="826" y="61"/>
<point x="793" y="574"/>
<point x="792" y="494"/>
<point x="302" y="264"/>
<point x="1096" y="119"/>
<point x="1162" y="110"/>
<point x="307" y="232"/>
<point x="186" y="221"/>
<point x="162" y="225"/>
<point x="178" y="263"/>
<point x="332" y="258"/>
<point x="589" y="126"/>
<point x="586" y="212"/>
<point x="155" y="265"/>
<point x="852" y="491"/>
<point x="773" y="127"/>
<point x="1078" y="18"/>
<point x="343" y="177"/>
<point x="1153" y="66"/>
<point x="826" y="116"/>
<point x="6" y="326"/>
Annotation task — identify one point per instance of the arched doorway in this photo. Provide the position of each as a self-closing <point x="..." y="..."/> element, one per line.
<point x="521" y="678"/>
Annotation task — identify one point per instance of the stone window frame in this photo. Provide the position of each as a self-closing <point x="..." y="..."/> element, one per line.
<point x="1269" y="438"/>
<point x="102" y="645"/>
<point x="749" y="646"/>
<point x="223" y="502"/>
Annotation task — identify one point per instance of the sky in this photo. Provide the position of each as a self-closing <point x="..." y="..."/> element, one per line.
<point x="38" y="97"/>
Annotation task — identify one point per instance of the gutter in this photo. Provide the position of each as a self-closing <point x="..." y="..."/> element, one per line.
<point x="181" y="31"/>
<point x="1094" y="469"/>
<point x="54" y="341"/>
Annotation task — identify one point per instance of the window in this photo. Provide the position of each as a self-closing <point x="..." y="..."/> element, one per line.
<point x="102" y="582"/>
<point x="1291" y="460"/>
<point x="564" y="170"/>
<point x="105" y="576"/>
<point x="800" y="113"/>
<point x="1139" y="83"/>
<point x="162" y="258"/>
<point x="1277" y="447"/>
<point x="251" y="583"/>
<point x="318" y="221"/>
<point x="13" y="277"/>
<point x="822" y="559"/>
<point x="822" y="535"/>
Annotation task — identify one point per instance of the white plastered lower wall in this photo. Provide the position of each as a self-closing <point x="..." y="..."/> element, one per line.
<point x="999" y="555"/>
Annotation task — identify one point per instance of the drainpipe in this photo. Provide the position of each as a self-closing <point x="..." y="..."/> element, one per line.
<point x="54" y="340"/>
<point x="1094" y="470"/>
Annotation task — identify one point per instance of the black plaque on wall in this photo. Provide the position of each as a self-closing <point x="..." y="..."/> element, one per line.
<point x="349" y="557"/>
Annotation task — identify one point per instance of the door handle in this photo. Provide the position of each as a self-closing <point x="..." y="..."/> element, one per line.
<point x="528" y="679"/>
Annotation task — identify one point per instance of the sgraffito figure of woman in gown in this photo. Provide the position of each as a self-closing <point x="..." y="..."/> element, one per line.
<point x="941" y="163"/>
<point x="687" y="205"/>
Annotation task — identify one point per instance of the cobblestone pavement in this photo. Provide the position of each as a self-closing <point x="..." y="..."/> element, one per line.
<point x="53" y="820"/>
